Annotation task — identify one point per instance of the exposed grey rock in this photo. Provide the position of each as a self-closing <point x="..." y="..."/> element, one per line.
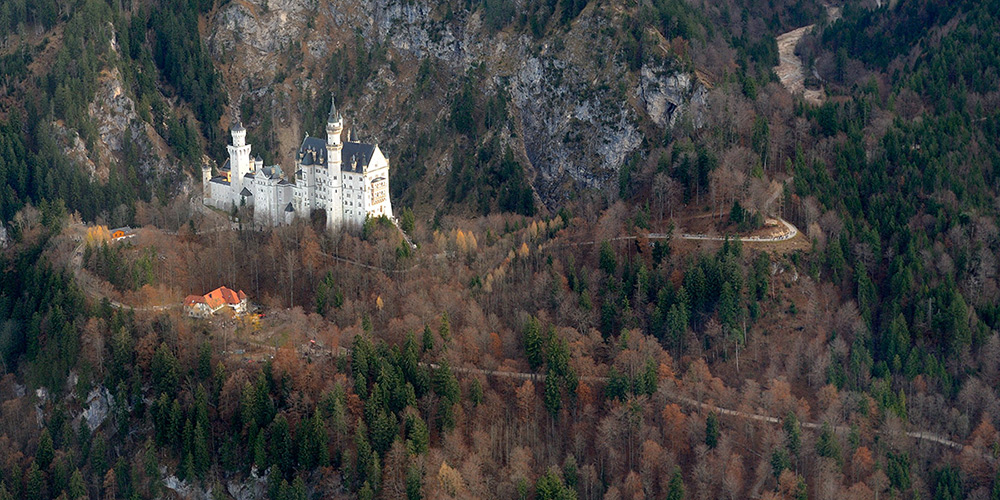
<point x="667" y="94"/>
<point x="74" y="148"/>
<point x="113" y="111"/>
<point x="662" y="93"/>
<point x="577" y="119"/>
<point x="251" y="488"/>
<point x="98" y="406"/>
<point x="183" y="489"/>
<point x="71" y="382"/>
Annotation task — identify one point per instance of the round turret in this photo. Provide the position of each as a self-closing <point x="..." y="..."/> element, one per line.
<point x="239" y="134"/>
<point x="334" y="126"/>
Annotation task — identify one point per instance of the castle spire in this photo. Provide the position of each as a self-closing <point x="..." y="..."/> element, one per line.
<point x="333" y="110"/>
<point x="237" y="124"/>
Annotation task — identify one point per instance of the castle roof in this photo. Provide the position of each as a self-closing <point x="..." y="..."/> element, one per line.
<point x="352" y="150"/>
<point x="310" y="144"/>
<point x="333" y="110"/>
<point x="246" y="192"/>
<point x="360" y="151"/>
<point x="272" y="172"/>
<point x="239" y="126"/>
<point x="289" y="208"/>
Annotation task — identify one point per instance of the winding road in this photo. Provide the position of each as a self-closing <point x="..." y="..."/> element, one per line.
<point x="790" y="232"/>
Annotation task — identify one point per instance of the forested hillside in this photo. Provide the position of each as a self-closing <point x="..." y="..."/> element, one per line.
<point x="640" y="267"/>
<point x="55" y="72"/>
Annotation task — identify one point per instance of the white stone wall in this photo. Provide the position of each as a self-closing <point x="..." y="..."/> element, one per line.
<point x="347" y="197"/>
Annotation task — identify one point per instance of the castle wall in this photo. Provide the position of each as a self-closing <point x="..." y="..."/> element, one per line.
<point x="347" y="197"/>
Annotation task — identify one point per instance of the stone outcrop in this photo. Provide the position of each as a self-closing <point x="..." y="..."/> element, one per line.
<point x="98" y="406"/>
<point x="578" y="111"/>
<point x="666" y="95"/>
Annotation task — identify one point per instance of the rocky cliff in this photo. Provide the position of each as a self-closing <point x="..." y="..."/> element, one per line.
<point x="577" y="111"/>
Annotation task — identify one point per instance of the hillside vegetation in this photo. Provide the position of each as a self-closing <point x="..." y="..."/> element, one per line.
<point x="554" y="332"/>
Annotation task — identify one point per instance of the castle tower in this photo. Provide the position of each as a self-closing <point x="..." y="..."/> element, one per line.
<point x="334" y="127"/>
<point x="334" y="149"/>
<point x="239" y="160"/>
<point x="206" y="183"/>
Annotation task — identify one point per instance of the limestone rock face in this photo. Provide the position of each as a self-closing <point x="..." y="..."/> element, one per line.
<point x="120" y="131"/>
<point x="185" y="489"/>
<point x="578" y="113"/>
<point x="665" y="95"/>
<point x="113" y="110"/>
<point x="574" y="135"/>
<point x="98" y="406"/>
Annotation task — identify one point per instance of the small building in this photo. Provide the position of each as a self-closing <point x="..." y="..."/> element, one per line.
<point x="120" y="233"/>
<point x="204" y="306"/>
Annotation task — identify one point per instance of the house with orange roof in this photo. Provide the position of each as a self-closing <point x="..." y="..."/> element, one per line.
<point x="204" y="306"/>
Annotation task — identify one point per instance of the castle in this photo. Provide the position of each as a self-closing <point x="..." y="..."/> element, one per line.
<point x="349" y="180"/>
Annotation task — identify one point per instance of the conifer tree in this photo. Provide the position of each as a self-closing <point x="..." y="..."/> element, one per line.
<point x="533" y="343"/>
<point x="675" y="489"/>
<point x="280" y="446"/>
<point x="445" y="330"/>
<point x="202" y="458"/>
<point x="45" y="450"/>
<point x="712" y="430"/>
<point x="34" y="482"/>
<point x="475" y="392"/>
<point x="414" y="480"/>
<point x="553" y="399"/>
<point x="77" y="487"/>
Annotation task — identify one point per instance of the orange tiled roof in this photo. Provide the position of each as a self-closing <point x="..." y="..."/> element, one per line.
<point x="217" y="298"/>
<point x="191" y="300"/>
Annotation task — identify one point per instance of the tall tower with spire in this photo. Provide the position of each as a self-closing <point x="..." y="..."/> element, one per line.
<point x="334" y="150"/>
<point x="239" y="159"/>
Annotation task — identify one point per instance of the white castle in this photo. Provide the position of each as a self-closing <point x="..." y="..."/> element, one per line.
<point x="347" y="180"/>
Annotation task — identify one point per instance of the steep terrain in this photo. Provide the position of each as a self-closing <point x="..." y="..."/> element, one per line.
<point x="637" y="266"/>
<point x="576" y="112"/>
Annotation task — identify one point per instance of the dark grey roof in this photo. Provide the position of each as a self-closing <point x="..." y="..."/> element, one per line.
<point x="289" y="208"/>
<point x="272" y="172"/>
<point x="282" y="182"/>
<point x="246" y="192"/>
<point x="239" y="126"/>
<point x="360" y="151"/>
<point x="315" y="144"/>
<point x="354" y="135"/>
<point x="219" y="180"/>
<point x="248" y="175"/>
<point x="225" y="166"/>
<point x="333" y="110"/>
<point x="258" y="158"/>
